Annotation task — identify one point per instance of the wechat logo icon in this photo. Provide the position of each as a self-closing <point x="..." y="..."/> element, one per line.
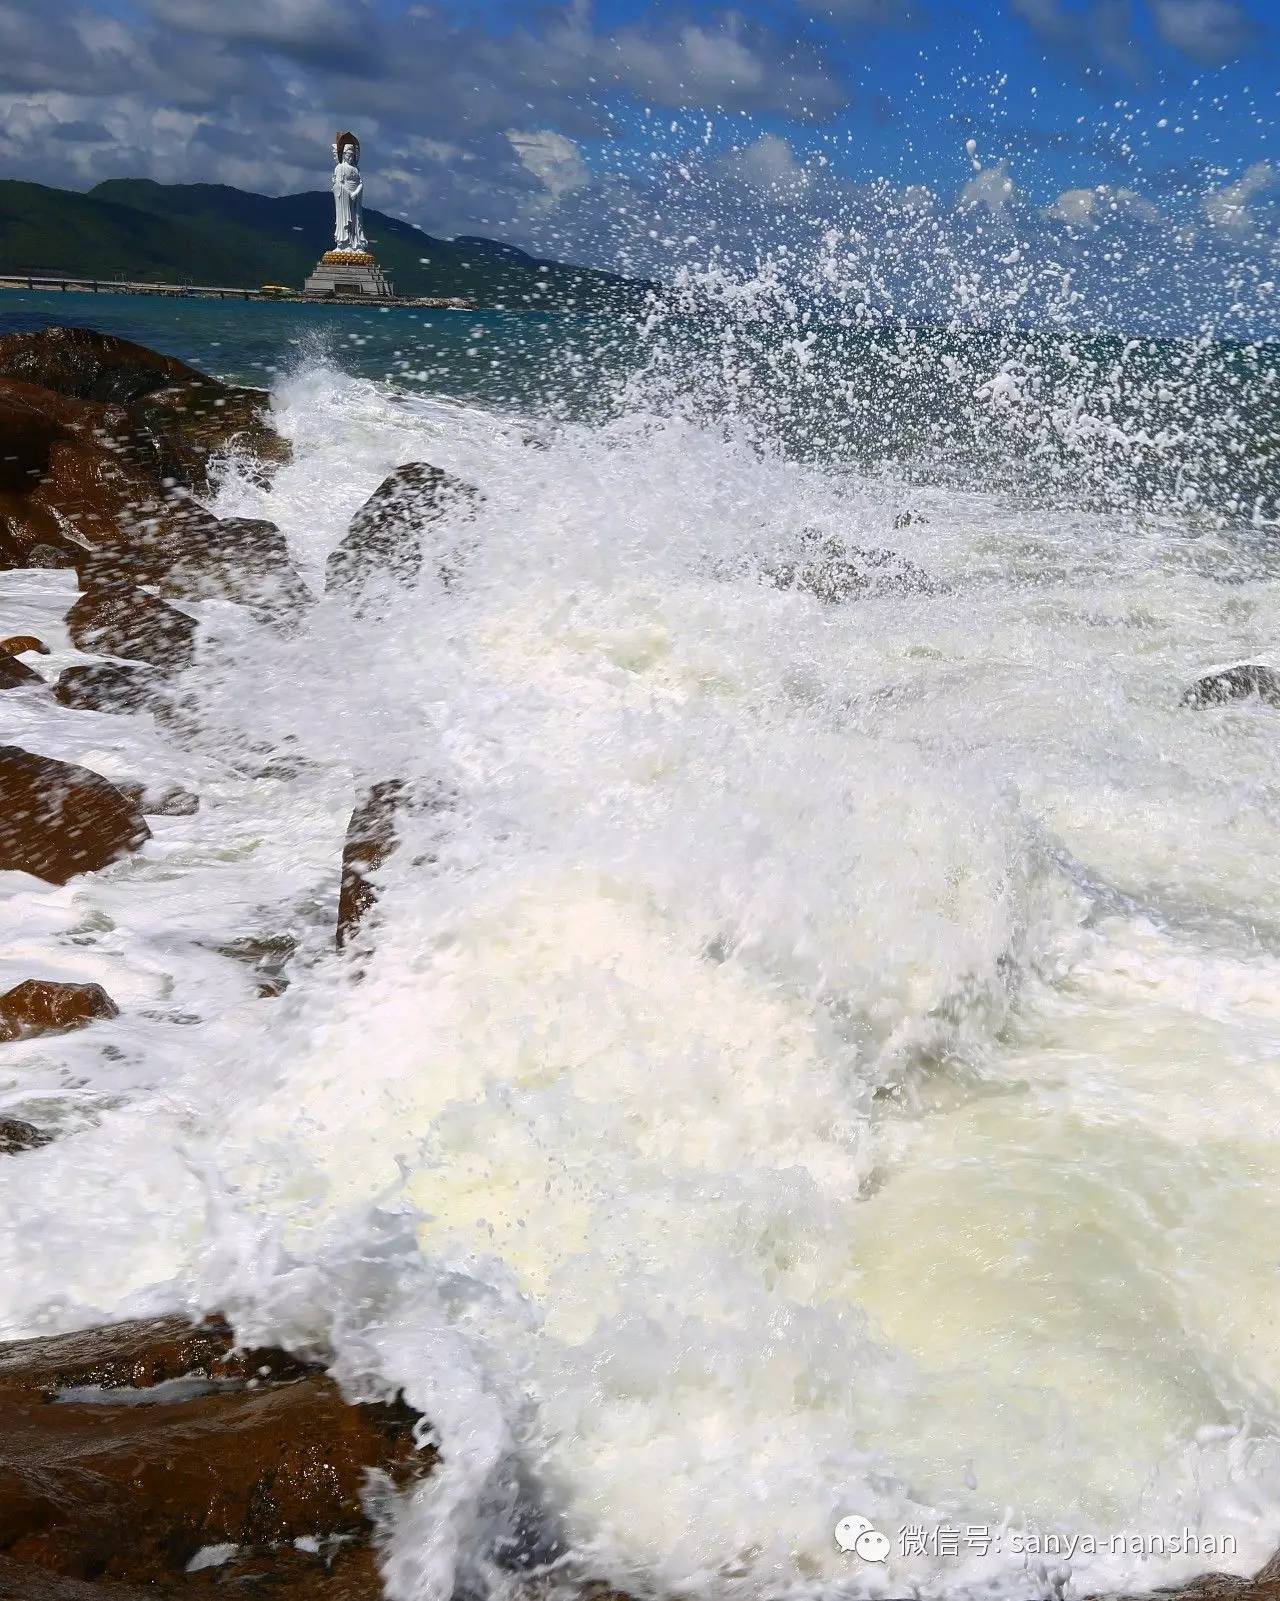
<point x="856" y="1537"/>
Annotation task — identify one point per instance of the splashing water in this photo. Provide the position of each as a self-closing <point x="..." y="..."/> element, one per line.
<point x="815" y="1059"/>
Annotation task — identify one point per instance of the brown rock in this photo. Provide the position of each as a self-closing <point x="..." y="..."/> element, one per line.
<point x="345" y="1572"/>
<point x="15" y="674"/>
<point x="57" y="820"/>
<point x="72" y="482"/>
<point x="385" y="540"/>
<point x="40" y="1006"/>
<point x="177" y="416"/>
<point x="22" y="644"/>
<point x="268" y="955"/>
<point x="244" y="559"/>
<point x="87" y="365"/>
<point x="133" y="1492"/>
<point x="111" y="687"/>
<point x="118" y="620"/>
<point x="77" y="489"/>
<point x="54" y="474"/>
<point x="139" y="1354"/>
<point x="371" y="839"/>
<point x="15" y="1136"/>
<point x="189" y="424"/>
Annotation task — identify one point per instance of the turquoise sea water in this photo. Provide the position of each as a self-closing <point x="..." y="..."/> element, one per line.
<point x="492" y="356"/>
<point x="1188" y="427"/>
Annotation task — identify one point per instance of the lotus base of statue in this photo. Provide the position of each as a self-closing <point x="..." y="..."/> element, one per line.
<point x="348" y="274"/>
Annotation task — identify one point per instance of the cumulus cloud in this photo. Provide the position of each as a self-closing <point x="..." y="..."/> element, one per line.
<point x="554" y="160"/>
<point x="872" y="13"/>
<point x="1229" y="208"/>
<point x="1211" y="32"/>
<point x="1106" y="34"/>
<point x="768" y="163"/>
<point x="991" y="189"/>
<point x="1090" y="207"/>
<point x="1103" y="35"/>
<point x="341" y="32"/>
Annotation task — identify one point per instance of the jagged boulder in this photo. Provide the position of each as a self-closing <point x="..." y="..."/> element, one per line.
<point x="828" y="568"/>
<point x="17" y="1136"/>
<point x="23" y="645"/>
<point x="58" y="820"/>
<point x="386" y="538"/>
<point x="371" y="839"/>
<point x="42" y="1006"/>
<point x="257" y="1451"/>
<point x="1246" y="682"/>
<point x="71" y="484"/>
<point x="176" y="418"/>
<point x="119" y="620"/>
<point x="161" y="800"/>
<point x="111" y="687"/>
<point x="75" y="491"/>
<point x="15" y="674"/>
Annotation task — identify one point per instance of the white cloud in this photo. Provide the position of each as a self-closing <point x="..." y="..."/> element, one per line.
<point x="556" y="162"/>
<point x="1085" y="207"/>
<point x="990" y="187"/>
<point x="769" y="163"/>
<point x="1211" y="32"/>
<point x="1229" y="207"/>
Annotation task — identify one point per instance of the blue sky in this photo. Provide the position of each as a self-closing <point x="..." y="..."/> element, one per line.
<point x="611" y="130"/>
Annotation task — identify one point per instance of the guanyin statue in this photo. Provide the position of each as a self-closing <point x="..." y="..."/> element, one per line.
<point x="348" y="194"/>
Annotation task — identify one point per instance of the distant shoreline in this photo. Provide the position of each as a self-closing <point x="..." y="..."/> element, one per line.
<point x="33" y="284"/>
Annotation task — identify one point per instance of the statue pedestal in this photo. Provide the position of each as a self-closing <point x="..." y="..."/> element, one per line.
<point x="348" y="273"/>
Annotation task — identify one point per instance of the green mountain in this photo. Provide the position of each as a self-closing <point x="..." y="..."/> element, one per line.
<point x="212" y="234"/>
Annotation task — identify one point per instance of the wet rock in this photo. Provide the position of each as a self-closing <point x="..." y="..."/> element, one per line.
<point x="832" y="571"/>
<point x="189" y="425"/>
<point x="268" y="955"/>
<point x="15" y="1136"/>
<point x="75" y="492"/>
<point x="138" y="1355"/>
<point x="87" y="365"/>
<point x="161" y="800"/>
<point x="177" y="416"/>
<point x="58" y="820"/>
<point x="341" y="1571"/>
<point x="371" y="839"/>
<point x="41" y="1006"/>
<point x="54" y="473"/>
<point x="1246" y="682"/>
<point x="111" y="687"/>
<point x="119" y="620"/>
<point x="386" y="537"/>
<point x="132" y="1490"/>
<point x="15" y="674"/>
<point x="23" y="645"/>
<point x="245" y="559"/>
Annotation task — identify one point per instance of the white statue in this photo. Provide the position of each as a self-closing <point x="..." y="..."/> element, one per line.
<point x="348" y="194"/>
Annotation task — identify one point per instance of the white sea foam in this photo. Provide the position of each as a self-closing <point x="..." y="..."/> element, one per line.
<point x="815" y="1059"/>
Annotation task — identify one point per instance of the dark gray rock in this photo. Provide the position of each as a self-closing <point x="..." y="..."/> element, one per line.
<point x="386" y="537"/>
<point x="1246" y="682"/>
<point x="111" y="687"/>
<point x="832" y="571"/>
<point x="119" y="620"/>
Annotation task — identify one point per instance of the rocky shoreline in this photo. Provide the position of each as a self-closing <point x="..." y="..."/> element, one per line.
<point x="159" y="1458"/>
